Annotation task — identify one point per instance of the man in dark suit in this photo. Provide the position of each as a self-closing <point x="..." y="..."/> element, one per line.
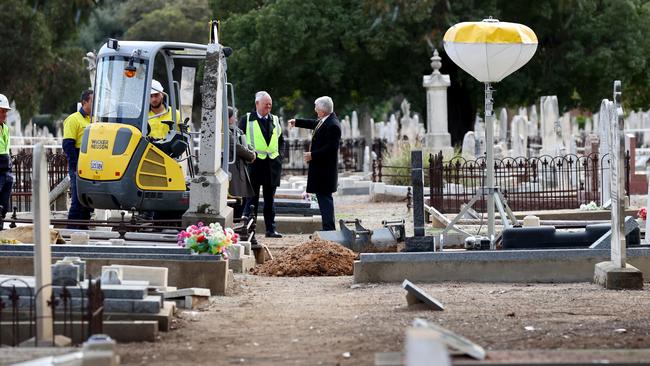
<point x="264" y="133"/>
<point x="323" y="156"/>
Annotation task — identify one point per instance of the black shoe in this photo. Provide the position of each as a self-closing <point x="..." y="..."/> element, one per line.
<point x="273" y="234"/>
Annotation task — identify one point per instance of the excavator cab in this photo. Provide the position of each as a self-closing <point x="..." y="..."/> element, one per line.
<point x="121" y="166"/>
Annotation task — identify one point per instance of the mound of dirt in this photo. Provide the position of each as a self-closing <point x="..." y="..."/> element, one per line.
<point x="313" y="258"/>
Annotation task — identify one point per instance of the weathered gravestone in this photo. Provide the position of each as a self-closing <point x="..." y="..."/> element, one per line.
<point x="616" y="273"/>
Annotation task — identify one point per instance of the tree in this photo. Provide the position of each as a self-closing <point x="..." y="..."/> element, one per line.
<point x="25" y="53"/>
<point x="167" y="20"/>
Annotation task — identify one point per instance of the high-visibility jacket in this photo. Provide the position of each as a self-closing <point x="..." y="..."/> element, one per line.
<point x="158" y="129"/>
<point x="255" y="137"/>
<point x="74" y="126"/>
<point x="5" y="158"/>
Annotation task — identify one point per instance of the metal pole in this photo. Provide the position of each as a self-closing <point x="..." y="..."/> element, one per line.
<point x="489" y="147"/>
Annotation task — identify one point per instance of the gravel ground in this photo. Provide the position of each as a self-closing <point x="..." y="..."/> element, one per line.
<point x="319" y="320"/>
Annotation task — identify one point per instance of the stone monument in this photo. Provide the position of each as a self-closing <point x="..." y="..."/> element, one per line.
<point x="617" y="274"/>
<point x="437" y="136"/>
<point x="209" y="188"/>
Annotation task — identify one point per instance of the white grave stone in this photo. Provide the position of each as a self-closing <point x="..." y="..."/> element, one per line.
<point x="437" y="136"/>
<point x="549" y="116"/>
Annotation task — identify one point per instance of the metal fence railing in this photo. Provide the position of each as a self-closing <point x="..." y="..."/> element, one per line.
<point x="351" y="154"/>
<point x="77" y="311"/>
<point x="539" y="183"/>
<point x="21" y="194"/>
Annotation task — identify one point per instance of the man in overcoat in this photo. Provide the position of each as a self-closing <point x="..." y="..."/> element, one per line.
<point x="323" y="154"/>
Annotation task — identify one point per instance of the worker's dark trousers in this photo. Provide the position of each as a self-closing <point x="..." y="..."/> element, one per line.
<point x="6" y="184"/>
<point x="326" y="206"/>
<point x="269" y="205"/>
<point x="77" y="210"/>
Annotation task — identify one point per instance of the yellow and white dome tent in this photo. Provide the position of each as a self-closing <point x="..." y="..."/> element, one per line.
<point x="490" y="50"/>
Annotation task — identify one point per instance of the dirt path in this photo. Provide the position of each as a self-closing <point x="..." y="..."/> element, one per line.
<point x="315" y="320"/>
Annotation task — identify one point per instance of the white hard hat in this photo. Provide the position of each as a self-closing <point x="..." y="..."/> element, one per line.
<point x="156" y="87"/>
<point x="4" y="102"/>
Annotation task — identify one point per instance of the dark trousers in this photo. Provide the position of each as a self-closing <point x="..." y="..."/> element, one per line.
<point x="6" y="183"/>
<point x="326" y="206"/>
<point x="269" y="206"/>
<point x="77" y="210"/>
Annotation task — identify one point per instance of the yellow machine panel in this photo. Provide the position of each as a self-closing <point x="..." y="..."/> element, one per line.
<point x="157" y="171"/>
<point x="106" y="151"/>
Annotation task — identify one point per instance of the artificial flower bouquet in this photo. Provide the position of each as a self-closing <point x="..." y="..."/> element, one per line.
<point x="642" y="214"/>
<point x="211" y="239"/>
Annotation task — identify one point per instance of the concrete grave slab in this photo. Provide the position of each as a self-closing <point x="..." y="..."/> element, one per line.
<point x="416" y="295"/>
<point x="194" y="291"/>
<point x="156" y="276"/>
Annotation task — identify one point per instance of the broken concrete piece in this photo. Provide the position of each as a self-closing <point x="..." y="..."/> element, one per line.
<point x="424" y="346"/>
<point x="416" y="295"/>
<point x="79" y="237"/>
<point x="453" y="340"/>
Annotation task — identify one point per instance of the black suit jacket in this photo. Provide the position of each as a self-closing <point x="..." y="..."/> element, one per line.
<point x="323" y="167"/>
<point x="264" y="171"/>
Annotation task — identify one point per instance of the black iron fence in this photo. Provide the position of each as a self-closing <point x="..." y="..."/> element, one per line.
<point x="77" y="312"/>
<point x="539" y="183"/>
<point x="21" y="194"/>
<point x="350" y="154"/>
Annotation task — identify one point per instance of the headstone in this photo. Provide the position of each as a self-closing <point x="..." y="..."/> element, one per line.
<point x="550" y="113"/>
<point x="437" y="137"/>
<point x="42" y="251"/>
<point x="565" y="125"/>
<point x="209" y="188"/>
<point x="468" y="150"/>
<point x="519" y="137"/>
<point x="605" y="146"/>
<point x="417" y="180"/>
<point x="367" y="163"/>
<point x="503" y="125"/>
<point x="479" y="134"/>
<point x="65" y="274"/>
<point x="617" y="274"/>
<point x="416" y="295"/>
<point x="533" y="122"/>
<point x="355" y="125"/>
<point x="111" y="276"/>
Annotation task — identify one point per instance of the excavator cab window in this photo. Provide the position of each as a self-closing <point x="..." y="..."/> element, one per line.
<point x="118" y="98"/>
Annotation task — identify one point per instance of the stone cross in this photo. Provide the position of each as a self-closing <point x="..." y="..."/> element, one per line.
<point x="42" y="251"/>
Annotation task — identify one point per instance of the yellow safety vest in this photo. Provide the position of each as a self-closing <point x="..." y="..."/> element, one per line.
<point x="258" y="141"/>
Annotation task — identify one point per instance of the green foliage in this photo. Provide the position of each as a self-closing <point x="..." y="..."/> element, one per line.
<point x="25" y="53"/>
<point x="167" y="20"/>
<point x="104" y="22"/>
<point x="397" y="164"/>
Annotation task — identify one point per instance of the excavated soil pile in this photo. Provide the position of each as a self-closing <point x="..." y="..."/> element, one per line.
<point x="313" y="258"/>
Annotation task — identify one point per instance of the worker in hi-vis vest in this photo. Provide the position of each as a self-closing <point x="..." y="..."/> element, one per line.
<point x="264" y="134"/>
<point x="73" y="131"/>
<point x="6" y="178"/>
